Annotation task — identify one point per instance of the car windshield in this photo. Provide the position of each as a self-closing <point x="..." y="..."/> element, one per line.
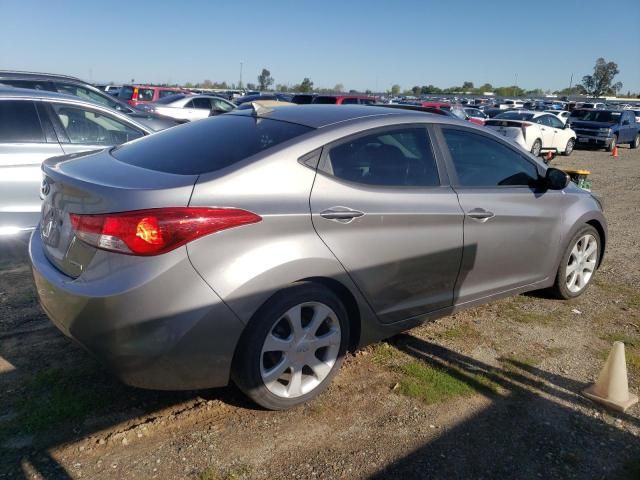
<point x="207" y="145"/>
<point x="600" y="116"/>
<point x="171" y="98"/>
<point x="515" y="116"/>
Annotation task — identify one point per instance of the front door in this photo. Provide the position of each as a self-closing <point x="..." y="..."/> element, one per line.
<point x="378" y="204"/>
<point x="512" y="228"/>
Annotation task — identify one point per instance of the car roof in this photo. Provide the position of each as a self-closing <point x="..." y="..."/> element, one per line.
<point x="7" y="91"/>
<point x="40" y="75"/>
<point x="319" y="116"/>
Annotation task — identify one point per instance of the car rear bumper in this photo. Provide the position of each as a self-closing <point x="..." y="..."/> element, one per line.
<point x="168" y="331"/>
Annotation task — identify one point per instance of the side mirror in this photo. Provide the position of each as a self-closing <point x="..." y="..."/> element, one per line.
<point x="556" y="179"/>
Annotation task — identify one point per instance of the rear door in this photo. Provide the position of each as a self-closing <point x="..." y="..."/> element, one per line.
<point x="80" y="128"/>
<point x="379" y="203"/>
<point x="511" y="230"/>
<point x="26" y="139"/>
<point x="628" y="127"/>
<point x="546" y="130"/>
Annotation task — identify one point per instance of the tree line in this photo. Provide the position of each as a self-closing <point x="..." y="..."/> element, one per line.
<point x="599" y="83"/>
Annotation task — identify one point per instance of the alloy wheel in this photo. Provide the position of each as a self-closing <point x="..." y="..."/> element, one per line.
<point x="581" y="263"/>
<point x="300" y="350"/>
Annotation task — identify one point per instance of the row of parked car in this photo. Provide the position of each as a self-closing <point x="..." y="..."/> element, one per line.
<point x="51" y="115"/>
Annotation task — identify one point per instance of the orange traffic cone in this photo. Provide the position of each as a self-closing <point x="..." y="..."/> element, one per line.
<point x="612" y="387"/>
<point x="614" y="152"/>
<point x="549" y="156"/>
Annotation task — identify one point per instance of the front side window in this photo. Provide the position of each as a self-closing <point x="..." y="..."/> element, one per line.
<point x="19" y="122"/>
<point x="91" y="128"/>
<point x="398" y="157"/>
<point x="480" y="161"/>
<point x="218" y="104"/>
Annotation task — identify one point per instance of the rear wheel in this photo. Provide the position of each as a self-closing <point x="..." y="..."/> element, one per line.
<point x="636" y="142"/>
<point x="536" y="147"/>
<point x="578" y="263"/>
<point x="293" y="347"/>
<point x="613" y="144"/>
<point x="569" y="148"/>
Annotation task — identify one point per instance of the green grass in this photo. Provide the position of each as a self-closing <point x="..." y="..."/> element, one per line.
<point x="630" y="295"/>
<point x="628" y="340"/>
<point x="428" y="383"/>
<point x="238" y="472"/>
<point x="464" y="330"/>
<point x="55" y="396"/>
<point x="516" y="310"/>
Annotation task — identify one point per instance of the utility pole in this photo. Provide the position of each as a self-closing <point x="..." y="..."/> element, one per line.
<point x="570" y="83"/>
<point x="515" y="85"/>
<point x="240" y="83"/>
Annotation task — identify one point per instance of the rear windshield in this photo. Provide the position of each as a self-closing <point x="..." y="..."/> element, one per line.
<point x="126" y="93"/>
<point x="325" y="100"/>
<point x="207" y="145"/>
<point x="166" y="93"/>
<point x="600" y="116"/>
<point x="515" y="116"/>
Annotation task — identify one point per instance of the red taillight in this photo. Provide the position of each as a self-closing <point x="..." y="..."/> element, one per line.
<point x="155" y="231"/>
<point x="134" y="95"/>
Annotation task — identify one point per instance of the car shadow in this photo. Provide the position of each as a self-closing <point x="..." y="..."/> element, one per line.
<point x="537" y="427"/>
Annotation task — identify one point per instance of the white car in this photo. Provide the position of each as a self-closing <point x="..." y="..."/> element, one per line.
<point x="536" y="132"/>
<point x="561" y="114"/>
<point x="189" y="107"/>
<point x="511" y="104"/>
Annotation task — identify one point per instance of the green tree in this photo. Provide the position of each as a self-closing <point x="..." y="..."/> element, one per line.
<point x="338" y="87"/>
<point x="281" y="87"/>
<point x="265" y="80"/>
<point x="252" y="86"/>
<point x="429" y="89"/>
<point x="395" y="89"/>
<point x="601" y="82"/>
<point x="305" y="86"/>
<point x="466" y="86"/>
<point x="416" y="90"/>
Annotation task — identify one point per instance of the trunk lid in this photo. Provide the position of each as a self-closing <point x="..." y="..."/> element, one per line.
<point x="95" y="182"/>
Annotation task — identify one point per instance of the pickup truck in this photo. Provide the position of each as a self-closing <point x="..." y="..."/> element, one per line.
<point x="605" y="128"/>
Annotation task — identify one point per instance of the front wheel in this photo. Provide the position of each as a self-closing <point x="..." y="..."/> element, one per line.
<point x="536" y="147"/>
<point x="293" y="347"/>
<point x="578" y="263"/>
<point x="636" y="142"/>
<point x="569" y="148"/>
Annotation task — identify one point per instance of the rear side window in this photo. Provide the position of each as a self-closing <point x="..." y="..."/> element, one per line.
<point x="145" y="94"/>
<point x="396" y="157"/>
<point x="165" y="93"/>
<point x="483" y="162"/>
<point x="207" y="145"/>
<point x="19" y="122"/>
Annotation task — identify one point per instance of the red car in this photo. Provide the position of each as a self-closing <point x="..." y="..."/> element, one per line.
<point x="136" y="94"/>
<point x="344" y="100"/>
<point x="457" y="110"/>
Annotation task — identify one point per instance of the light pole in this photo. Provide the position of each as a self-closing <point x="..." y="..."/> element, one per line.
<point x="240" y="83"/>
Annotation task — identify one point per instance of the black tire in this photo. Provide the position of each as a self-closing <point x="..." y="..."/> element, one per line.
<point x="536" y="147"/>
<point x="613" y="144"/>
<point x="635" y="143"/>
<point x="560" y="288"/>
<point x="568" y="150"/>
<point x="248" y="358"/>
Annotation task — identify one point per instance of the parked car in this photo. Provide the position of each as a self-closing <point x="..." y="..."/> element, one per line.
<point x="476" y="113"/>
<point x="303" y="98"/>
<point x="343" y="100"/>
<point x="536" y="132"/>
<point x="279" y="97"/>
<point x="189" y="107"/>
<point x="332" y="228"/>
<point x="563" y="115"/>
<point x="74" y="86"/>
<point x="596" y="105"/>
<point x="35" y="125"/>
<point x="110" y="89"/>
<point x="140" y="94"/>
<point x="606" y="128"/>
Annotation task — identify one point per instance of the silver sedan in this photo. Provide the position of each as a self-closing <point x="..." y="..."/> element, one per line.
<point x="189" y="107"/>
<point x="260" y="246"/>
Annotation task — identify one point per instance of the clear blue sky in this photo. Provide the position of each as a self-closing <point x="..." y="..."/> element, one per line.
<point x="366" y="44"/>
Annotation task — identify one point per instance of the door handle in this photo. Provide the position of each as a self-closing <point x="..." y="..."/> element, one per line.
<point x="341" y="214"/>
<point x="481" y="214"/>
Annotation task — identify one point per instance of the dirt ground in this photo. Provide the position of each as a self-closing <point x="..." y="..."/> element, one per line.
<point x="493" y="392"/>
